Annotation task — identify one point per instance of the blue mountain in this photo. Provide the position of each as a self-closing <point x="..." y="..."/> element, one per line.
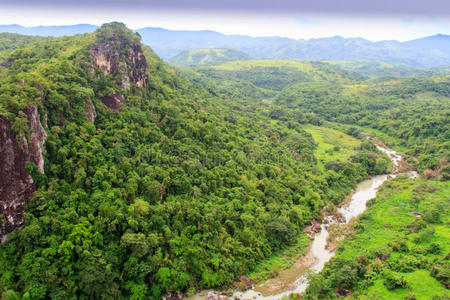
<point x="429" y="51"/>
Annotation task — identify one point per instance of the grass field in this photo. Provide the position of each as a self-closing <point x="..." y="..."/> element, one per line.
<point x="388" y="220"/>
<point x="255" y="63"/>
<point x="332" y="144"/>
<point x="280" y="260"/>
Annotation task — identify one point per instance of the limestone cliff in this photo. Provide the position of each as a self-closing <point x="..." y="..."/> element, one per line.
<point x="117" y="53"/>
<point x="17" y="185"/>
<point x="131" y="66"/>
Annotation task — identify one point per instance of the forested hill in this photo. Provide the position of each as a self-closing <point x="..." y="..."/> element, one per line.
<point x="206" y="56"/>
<point x="122" y="179"/>
<point x="11" y="41"/>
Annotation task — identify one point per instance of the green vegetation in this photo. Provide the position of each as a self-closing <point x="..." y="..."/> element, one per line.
<point x="376" y="69"/>
<point x="275" y="74"/>
<point x="414" y="112"/>
<point x="332" y="144"/>
<point x="393" y="254"/>
<point x="211" y="172"/>
<point x="11" y="41"/>
<point x="280" y="260"/>
<point x="182" y="188"/>
<point x="206" y="56"/>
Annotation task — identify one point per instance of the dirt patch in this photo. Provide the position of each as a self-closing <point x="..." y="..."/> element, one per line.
<point x="337" y="232"/>
<point x="403" y="167"/>
<point x="286" y="278"/>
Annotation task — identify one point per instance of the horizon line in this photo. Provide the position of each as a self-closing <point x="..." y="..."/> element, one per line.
<point x="210" y="30"/>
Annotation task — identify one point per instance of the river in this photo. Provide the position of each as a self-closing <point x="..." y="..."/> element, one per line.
<point x="364" y="191"/>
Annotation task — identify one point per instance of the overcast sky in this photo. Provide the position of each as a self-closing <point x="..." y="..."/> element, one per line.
<point x="374" y="20"/>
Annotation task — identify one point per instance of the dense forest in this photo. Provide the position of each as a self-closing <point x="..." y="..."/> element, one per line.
<point x="159" y="180"/>
<point x="175" y="190"/>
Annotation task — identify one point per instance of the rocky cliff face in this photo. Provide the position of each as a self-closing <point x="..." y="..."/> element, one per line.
<point x="119" y="57"/>
<point x="17" y="185"/>
<point x="130" y="67"/>
<point x="90" y="111"/>
<point x="114" y="101"/>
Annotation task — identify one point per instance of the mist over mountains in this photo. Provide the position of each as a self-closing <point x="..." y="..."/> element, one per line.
<point x="429" y="51"/>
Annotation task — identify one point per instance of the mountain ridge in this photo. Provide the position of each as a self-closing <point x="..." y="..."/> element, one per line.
<point x="429" y="51"/>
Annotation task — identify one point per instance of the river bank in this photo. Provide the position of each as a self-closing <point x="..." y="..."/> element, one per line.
<point x="294" y="279"/>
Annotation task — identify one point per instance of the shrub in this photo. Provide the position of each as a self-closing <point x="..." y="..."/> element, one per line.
<point x="405" y="264"/>
<point x="410" y="296"/>
<point x="399" y="245"/>
<point x="394" y="281"/>
<point x="441" y="272"/>
<point x="432" y="215"/>
<point x="280" y="232"/>
<point x="380" y="252"/>
<point x="434" y="248"/>
<point x="424" y="236"/>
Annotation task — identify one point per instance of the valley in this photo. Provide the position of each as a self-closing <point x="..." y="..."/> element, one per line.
<point x="128" y="178"/>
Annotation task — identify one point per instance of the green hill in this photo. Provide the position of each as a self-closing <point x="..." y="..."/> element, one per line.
<point x="275" y="74"/>
<point x="206" y="57"/>
<point x="123" y="178"/>
<point x="143" y="182"/>
<point x="11" y="41"/>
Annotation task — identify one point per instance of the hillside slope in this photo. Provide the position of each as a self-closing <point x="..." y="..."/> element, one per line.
<point x="126" y="180"/>
<point x="206" y="57"/>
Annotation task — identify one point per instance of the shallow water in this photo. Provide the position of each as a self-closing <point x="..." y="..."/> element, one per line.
<point x="364" y="191"/>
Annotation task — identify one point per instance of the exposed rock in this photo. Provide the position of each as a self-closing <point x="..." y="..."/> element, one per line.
<point x="90" y="111"/>
<point x="62" y="120"/>
<point x="137" y="71"/>
<point x="107" y="57"/>
<point x="343" y="292"/>
<point x="38" y="136"/>
<point x="114" y="101"/>
<point x="7" y="63"/>
<point x="173" y="296"/>
<point x="315" y="226"/>
<point x="17" y="185"/>
<point x="246" y="281"/>
<point x="214" y="296"/>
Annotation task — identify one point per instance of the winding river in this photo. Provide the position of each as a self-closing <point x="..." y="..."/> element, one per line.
<point x="365" y="191"/>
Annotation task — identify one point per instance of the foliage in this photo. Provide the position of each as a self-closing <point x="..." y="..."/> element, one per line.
<point x="394" y="256"/>
<point x="179" y="189"/>
<point x="205" y="174"/>
<point x="206" y="56"/>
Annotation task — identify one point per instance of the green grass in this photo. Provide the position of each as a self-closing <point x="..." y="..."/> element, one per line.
<point x="327" y="139"/>
<point x="386" y="220"/>
<point x="390" y="141"/>
<point x="254" y="63"/>
<point x="421" y="284"/>
<point x="280" y="260"/>
<point x="207" y="56"/>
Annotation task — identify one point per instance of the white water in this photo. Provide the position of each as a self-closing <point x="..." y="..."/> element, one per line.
<point x="365" y="191"/>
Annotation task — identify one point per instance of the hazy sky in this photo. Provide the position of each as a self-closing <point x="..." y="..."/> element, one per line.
<point x="374" y="20"/>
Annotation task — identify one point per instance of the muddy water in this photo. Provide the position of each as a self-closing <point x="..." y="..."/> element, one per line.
<point x="365" y="191"/>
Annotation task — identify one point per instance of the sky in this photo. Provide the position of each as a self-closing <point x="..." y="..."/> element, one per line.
<point x="374" y="20"/>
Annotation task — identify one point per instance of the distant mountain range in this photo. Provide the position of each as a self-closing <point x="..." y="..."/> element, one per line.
<point x="49" y="30"/>
<point x="207" y="56"/>
<point x="424" y="52"/>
